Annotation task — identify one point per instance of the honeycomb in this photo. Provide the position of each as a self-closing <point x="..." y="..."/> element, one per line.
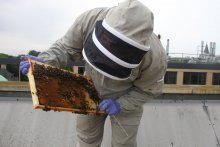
<point x="59" y="90"/>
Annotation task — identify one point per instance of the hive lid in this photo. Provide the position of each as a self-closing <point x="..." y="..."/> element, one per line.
<point x="60" y="90"/>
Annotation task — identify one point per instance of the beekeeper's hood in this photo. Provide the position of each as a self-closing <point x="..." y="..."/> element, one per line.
<point x="118" y="43"/>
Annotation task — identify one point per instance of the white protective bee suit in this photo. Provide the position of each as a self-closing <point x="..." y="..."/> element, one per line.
<point x="125" y="60"/>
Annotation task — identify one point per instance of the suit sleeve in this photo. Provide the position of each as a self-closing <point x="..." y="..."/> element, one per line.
<point x="67" y="47"/>
<point x="150" y="81"/>
<point x="70" y="46"/>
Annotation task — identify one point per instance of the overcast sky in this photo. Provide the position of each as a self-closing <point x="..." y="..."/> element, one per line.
<point x="35" y="24"/>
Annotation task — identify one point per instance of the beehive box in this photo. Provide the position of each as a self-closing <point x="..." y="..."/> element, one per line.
<point x="60" y="90"/>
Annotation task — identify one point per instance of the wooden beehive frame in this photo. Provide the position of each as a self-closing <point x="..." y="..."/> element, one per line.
<point x="35" y="98"/>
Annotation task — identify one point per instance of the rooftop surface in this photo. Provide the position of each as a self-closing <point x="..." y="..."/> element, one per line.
<point x="165" y="123"/>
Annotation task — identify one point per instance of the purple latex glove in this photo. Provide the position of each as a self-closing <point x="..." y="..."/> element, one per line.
<point x="110" y="106"/>
<point x="24" y="64"/>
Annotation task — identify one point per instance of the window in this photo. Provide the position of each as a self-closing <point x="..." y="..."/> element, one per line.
<point x="194" y="78"/>
<point x="170" y="77"/>
<point x="81" y="70"/>
<point x="216" y="79"/>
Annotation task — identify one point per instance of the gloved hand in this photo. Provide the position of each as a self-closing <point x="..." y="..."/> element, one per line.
<point x="24" y="64"/>
<point x="110" y="106"/>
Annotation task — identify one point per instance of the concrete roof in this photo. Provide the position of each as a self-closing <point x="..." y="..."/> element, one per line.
<point x="212" y="66"/>
<point x="16" y="60"/>
<point x="166" y="123"/>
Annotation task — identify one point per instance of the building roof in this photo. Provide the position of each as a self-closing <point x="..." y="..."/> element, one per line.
<point x="165" y="123"/>
<point x="194" y="66"/>
<point x="170" y="65"/>
<point x="9" y="60"/>
<point x="17" y="61"/>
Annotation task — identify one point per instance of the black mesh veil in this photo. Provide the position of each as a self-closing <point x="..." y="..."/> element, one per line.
<point x="102" y="62"/>
<point x="100" y="57"/>
<point x="118" y="47"/>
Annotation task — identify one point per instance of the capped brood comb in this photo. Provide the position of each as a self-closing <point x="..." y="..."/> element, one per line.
<point x="56" y="89"/>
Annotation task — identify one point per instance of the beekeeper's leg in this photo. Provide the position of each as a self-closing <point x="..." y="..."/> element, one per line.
<point x="89" y="130"/>
<point x="130" y="122"/>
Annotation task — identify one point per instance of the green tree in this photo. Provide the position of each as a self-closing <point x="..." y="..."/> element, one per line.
<point x="33" y="53"/>
<point x="5" y="55"/>
<point x="13" y="68"/>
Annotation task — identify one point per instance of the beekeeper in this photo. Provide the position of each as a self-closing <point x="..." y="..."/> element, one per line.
<point x="125" y="60"/>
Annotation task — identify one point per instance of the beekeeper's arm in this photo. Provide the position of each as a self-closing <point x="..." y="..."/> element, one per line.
<point x="150" y="82"/>
<point x="71" y="44"/>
